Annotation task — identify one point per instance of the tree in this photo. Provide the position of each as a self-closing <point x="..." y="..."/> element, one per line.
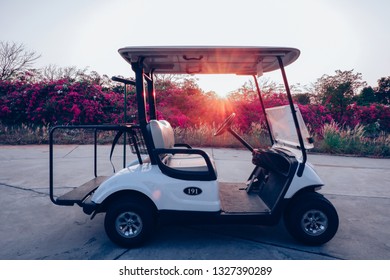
<point x="246" y="92"/>
<point x="164" y="81"/>
<point x="302" y="98"/>
<point x="337" y="92"/>
<point x="53" y="72"/>
<point x="383" y="90"/>
<point x="366" y="97"/>
<point x="14" y="58"/>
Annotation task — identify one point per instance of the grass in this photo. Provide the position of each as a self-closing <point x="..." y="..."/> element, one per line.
<point x="32" y="134"/>
<point x="353" y="141"/>
<point x="23" y="134"/>
<point x="334" y="139"/>
<point x="203" y="136"/>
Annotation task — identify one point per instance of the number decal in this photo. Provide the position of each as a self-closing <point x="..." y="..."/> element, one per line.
<point x="192" y="191"/>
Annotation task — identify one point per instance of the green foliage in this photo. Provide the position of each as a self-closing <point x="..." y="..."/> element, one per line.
<point x="345" y="140"/>
<point x="302" y="98"/>
<point x="379" y="94"/>
<point x="366" y="96"/>
<point x="383" y="90"/>
<point x="337" y="92"/>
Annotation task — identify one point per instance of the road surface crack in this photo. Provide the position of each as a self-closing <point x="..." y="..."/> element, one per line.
<point x="23" y="189"/>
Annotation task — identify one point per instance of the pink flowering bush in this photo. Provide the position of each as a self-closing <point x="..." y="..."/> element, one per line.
<point x="66" y="101"/>
<point x="60" y="102"/>
<point x="315" y="116"/>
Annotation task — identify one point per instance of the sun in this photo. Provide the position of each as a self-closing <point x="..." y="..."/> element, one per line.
<point x="221" y="84"/>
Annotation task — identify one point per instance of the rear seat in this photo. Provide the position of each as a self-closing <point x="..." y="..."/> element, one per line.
<point x="163" y="138"/>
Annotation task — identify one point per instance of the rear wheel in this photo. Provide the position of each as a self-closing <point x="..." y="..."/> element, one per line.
<point x="129" y="224"/>
<point x="311" y="219"/>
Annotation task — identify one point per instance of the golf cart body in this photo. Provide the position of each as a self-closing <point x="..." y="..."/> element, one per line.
<point x="173" y="182"/>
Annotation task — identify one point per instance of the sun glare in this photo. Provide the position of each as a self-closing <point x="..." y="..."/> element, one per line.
<point x="222" y="85"/>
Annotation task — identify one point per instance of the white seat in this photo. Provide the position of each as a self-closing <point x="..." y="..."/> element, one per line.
<point x="162" y="134"/>
<point x="163" y="138"/>
<point x="191" y="163"/>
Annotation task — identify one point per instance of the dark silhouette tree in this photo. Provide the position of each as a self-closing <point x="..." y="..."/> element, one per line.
<point x="366" y="97"/>
<point x="383" y="90"/>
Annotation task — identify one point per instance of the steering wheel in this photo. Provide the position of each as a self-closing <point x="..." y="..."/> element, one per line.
<point x="227" y="123"/>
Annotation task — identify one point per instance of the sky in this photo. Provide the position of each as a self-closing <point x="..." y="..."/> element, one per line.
<point x="331" y="34"/>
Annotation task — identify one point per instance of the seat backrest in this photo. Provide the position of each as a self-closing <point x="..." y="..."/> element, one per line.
<point x="162" y="134"/>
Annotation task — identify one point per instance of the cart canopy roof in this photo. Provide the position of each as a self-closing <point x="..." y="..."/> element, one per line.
<point x="209" y="60"/>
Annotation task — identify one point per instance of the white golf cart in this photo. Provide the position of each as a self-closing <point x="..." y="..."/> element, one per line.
<point x="173" y="182"/>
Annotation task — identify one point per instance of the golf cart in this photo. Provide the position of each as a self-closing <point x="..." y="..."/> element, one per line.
<point x="174" y="183"/>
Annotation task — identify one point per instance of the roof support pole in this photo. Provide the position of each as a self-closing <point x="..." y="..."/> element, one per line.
<point x="125" y="82"/>
<point x="140" y="92"/>
<point x="263" y="108"/>
<point x="294" y="115"/>
<point x="138" y="69"/>
<point x="151" y="97"/>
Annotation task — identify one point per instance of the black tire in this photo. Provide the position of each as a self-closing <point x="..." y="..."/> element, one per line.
<point x="128" y="223"/>
<point x="311" y="219"/>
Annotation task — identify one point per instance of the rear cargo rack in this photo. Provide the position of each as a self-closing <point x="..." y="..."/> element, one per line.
<point x="79" y="194"/>
<point x="137" y="143"/>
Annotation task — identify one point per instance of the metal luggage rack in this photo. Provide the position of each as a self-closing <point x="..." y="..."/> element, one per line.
<point x="137" y="141"/>
<point x="131" y="133"/>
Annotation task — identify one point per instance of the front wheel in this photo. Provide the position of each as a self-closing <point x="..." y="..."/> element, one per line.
<point x="311" y="219"/>
<point x="128" y="224"/>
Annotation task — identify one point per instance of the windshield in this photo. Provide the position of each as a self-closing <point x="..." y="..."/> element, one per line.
<point x="283" y="129"/>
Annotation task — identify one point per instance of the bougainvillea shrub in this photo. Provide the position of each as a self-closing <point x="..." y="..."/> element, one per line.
<point x="60" y="102"/>
<point x="66" y="102"/>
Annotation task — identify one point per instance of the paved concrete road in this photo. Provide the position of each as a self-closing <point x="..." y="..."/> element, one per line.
<point x="31" y="227"/>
